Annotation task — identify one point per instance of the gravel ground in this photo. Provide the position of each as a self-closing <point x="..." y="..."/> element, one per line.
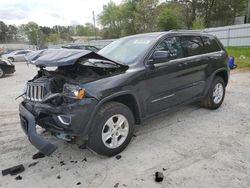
<point x="193" y="147"/>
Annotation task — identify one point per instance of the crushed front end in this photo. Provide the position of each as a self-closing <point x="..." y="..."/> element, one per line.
<point x="57" y="101"/>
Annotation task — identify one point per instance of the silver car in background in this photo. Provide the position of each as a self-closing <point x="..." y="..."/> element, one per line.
<point x="17" y="55"/>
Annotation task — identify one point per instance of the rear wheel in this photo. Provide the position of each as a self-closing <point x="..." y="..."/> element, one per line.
<point x="216" y="94"/>
<point x="2" y="73"/>
<point x="113" y="129"/>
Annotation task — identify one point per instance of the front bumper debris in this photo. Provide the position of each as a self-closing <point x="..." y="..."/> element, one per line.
<point x="29" y="127"/>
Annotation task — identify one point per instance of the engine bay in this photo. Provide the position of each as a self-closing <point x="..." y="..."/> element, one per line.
<point x="47" y="86"/>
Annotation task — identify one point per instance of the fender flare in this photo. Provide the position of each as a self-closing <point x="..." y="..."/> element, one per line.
<point x="211" y="78"/>
<point x="88" y="127"/>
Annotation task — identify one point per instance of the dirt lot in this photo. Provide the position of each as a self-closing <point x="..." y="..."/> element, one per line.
<point x="196" y="147"/>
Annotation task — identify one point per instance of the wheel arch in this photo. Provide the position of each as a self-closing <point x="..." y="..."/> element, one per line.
<point x="125" y="97"/>
<point x="223" y="73"/>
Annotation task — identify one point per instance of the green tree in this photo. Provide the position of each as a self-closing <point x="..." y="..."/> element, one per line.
<point x="169" y="18"/>
<point x="3" y="31"/>
<point x="146" y="15"/>
<point x="54" y="38"/>
<point x="34" y="33"/>
<point x="111" y="20"/>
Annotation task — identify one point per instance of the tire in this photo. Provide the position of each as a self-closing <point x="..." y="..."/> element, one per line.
<point x="11" y="59"/>
<point x="214" y="99"/>
<point x="106" y="132"/>
<point x="2" y="73"/>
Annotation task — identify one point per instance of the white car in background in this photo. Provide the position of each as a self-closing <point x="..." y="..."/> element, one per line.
<point x="18" y="55"/>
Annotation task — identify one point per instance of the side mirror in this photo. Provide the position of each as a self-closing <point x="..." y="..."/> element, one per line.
<point x="159" y="57"/>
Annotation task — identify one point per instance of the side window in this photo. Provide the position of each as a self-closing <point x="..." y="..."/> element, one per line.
<point x="191" y="45"/>
<point x="171" y="45"/>
<point x="210" y="45"/>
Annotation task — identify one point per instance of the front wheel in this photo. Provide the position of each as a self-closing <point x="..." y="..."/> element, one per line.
<point x="113" y="129"/>
<point x="215" y="95"/>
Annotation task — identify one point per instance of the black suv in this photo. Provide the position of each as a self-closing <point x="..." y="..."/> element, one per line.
<point x="99" y="97"/>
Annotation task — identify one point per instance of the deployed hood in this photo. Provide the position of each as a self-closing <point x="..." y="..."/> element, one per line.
<point x="62" y="57"/>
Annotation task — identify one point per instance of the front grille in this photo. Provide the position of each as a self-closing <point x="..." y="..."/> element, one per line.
<point x="35" y="91"/>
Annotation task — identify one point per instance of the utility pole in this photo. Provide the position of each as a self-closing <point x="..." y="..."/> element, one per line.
<point x="248" y="12"/>
<point x="94" y="24"/>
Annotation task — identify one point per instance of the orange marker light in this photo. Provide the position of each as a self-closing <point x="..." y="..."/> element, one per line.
<point x="81" y="94"/>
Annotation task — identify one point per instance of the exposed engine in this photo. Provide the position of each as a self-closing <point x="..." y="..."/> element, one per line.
<point x="47" y="86"/>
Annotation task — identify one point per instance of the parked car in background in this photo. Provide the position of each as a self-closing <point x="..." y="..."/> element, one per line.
<point x="17" y="55"/>
<point x="81" y="47"/>
<point x="101" y="96"/>
<point x="6" y="67"/>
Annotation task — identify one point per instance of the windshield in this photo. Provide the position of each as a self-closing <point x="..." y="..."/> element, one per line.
<point x="127" y="50"/>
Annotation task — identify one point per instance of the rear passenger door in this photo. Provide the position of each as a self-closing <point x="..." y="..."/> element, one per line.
<point x="196" y="63"/>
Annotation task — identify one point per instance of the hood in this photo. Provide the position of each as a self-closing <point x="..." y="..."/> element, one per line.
<point x="62" y="57"/>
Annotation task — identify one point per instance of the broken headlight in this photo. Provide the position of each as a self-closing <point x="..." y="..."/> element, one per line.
<point x="73" y="91"/>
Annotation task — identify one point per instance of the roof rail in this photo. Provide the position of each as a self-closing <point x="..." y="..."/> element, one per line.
<point x="186" y="30"/>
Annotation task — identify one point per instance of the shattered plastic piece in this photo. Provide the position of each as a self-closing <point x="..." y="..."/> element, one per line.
<point x="83" y="146"/>
<point x="79" y="183"/>
<point x="85" y="159"/>
<point x="33" y="164"/>
<point x="38" y="155"/>
<point x="118" y="157"/>
<point x="116" y="185"/>
<point x="18" y="178"/>
<point x="159" y="176"/>
<point x="58" y="177"/>
<point x="13" y="170"/>
<point x="62" y="163"/>
<point x="164" y="169"/>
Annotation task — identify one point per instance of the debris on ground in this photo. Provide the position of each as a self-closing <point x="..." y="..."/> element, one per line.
<point x="13" y="170"/>
<point x="62" y="163"/>
<point x="116" y="185"/>
<point x="51" y="167"/>
<point x="124" y="185"/>
<point x="85" y="159"/>
<point x="83" y="146"/>
<point x="164" y="169"/>
<point x="118" y="157"/>
<point x="32" y="164"/>
<point x="38" y="155"/>
<point x="79" y="183"/>
<point x="18" y="178"/>
<point x="58" y="177"/>
<point x="159" y="176"/>
<point x="73" y="161"/>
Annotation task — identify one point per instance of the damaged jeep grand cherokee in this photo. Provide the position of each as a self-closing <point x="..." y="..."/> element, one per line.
<point x="100" y="96"/>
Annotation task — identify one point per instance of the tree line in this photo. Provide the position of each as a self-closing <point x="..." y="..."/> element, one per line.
<point x="137" y="16"/>
<point x="42" y="35"/>
<point x="132" y="17"/>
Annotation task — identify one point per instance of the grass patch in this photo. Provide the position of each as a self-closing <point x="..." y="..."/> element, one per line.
<point x="241" y="55"/>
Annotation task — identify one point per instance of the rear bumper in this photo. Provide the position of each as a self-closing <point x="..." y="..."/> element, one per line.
<point x="28" y="124"/>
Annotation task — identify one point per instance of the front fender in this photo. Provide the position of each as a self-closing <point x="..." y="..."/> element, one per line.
<point x="89" y="126"/>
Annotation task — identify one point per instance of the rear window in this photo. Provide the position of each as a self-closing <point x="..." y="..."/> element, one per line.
<point x="191" y="45"/>
<point x="210" y="45"/>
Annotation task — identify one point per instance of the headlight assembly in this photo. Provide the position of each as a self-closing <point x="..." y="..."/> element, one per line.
<point x="73" y="91"/>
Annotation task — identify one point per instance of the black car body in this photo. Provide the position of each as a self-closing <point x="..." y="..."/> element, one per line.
<point x="6" y="67"/>
<point x="81" y="47"/>
<point x="92" y="95"/>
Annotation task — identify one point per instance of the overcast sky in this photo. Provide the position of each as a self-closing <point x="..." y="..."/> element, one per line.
<point x="50" y="12"/>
